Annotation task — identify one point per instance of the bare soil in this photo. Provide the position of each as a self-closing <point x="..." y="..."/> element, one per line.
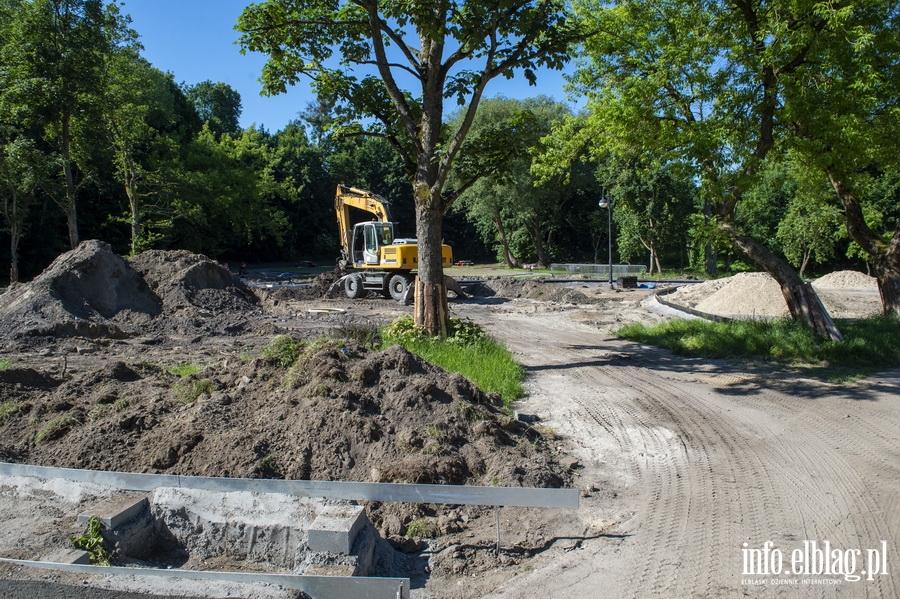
<point x="679" y="461"/>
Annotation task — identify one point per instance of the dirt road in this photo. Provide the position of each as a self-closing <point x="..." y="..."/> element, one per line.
<point x="690" y="464"/>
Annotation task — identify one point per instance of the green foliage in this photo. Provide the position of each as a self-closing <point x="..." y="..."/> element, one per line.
<point x="869" y="344"/>
<point x="92" y="542"/>
<point x="469" y="351"/>
<point x="55" y="429"/>
<point x="183" y="369"/>
<point x="283" y="350"/>
<point x="9" y="408"/>
<point x="421" y="529"/>
<point x="187" y="390"/>
<point x="218" y="105"/>
<point x="5" y="364"/>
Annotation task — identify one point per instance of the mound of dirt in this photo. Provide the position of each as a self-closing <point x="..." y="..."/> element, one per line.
<point x="341" y="412"/>
<point x="506" y="287"/>
<point x="188" y="283"/>
<point x="89" y="290"/>
<point x="92" y="292"/>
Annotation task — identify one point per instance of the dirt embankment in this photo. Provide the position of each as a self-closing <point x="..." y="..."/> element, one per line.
<point x="103" y="395"/>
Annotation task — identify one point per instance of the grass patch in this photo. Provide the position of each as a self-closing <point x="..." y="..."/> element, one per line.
<point x="55" y="429"/>
<point x="467" y="350"/>
<point x="9" y="408"/>
<point x="283" y="350"/>
<point x="183" y="369"/>
<point x="5" y="364"/>
<point x="189" y="390"/>
<point x="869" y="344"/>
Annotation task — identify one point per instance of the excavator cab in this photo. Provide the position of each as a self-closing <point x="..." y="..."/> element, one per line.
<point x="368" y="238"/>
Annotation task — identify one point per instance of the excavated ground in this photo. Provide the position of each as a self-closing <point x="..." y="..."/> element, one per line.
<point x="94" y="341"/>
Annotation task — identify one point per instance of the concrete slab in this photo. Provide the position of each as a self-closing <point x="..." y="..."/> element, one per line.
<point x="117" y="510"/>
<point x="335" y="528"/>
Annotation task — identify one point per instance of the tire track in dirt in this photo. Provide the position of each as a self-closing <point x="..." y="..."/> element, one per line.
<point x="708" y="468"/>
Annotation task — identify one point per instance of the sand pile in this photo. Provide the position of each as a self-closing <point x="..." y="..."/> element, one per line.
<point x="758" y="295"/>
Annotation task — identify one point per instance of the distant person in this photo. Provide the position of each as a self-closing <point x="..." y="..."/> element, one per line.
<point x="242" y="273"/>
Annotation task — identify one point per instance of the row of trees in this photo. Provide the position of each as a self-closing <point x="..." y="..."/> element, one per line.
<point x="760" y="129"/>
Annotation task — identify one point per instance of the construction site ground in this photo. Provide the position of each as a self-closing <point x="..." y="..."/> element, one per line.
<point x="684" y="465"/>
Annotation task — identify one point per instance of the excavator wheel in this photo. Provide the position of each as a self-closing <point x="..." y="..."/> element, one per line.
<point x="397" y="287"/>
<point x="353" y="287"/>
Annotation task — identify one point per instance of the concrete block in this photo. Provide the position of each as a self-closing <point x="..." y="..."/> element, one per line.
<point x="68" y="556"/>
<point x="117" y="511"/>
<point x="335" y="528"/>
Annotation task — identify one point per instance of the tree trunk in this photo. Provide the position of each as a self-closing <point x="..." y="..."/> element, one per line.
<point x="71" y="192"/>
<point x="511" y="261"/>
<point x="431" y="310"/>
<point x="13" y="215"/>
<point x="802" y="301"/>
<point x="431" y="296"/>
<point x="885" y="256"/>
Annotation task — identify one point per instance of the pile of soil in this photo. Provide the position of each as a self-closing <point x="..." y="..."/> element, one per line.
<point x="758" y="295"/>
<point x="92" y="292"/>
<point x="340" y="413"/>
<point x="509" y="288"/>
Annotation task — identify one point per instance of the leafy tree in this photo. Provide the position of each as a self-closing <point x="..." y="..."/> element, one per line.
<point x="702" y="83"/>
<point x="218" y="105"/>
<point x="652" y="208"/>
<point x="223" y="201"/>
<point x="449" y="49"/>
<point x="54" y="56"/>
<point x="23" y="168"/>
<point x="139" y="107"/>
<point x="809" y="231"/>
<point x="842" y="106"/>
<point x="503" y="138"/>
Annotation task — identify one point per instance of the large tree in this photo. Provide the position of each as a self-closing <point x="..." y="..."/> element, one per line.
<point x="843" y="108"/>
<point x="54" y="59"/>
<point x="396" y="63"/>
<point x="704" y="83"/>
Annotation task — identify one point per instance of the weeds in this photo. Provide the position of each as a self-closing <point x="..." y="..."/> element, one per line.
<point x="188" y="390"/>
<point x="9" y="408"/>
<point x="283" y="350"/>
<point x="92" y="542"/>
<point x="55" y="429"/>
<point x="5" y="365"/>
<point x="367" y="335"/>
<point x="467" y="350"/>
<point x="421" y="529"/>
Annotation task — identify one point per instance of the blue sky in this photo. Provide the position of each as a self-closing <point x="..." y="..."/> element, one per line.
<point x="195" y="41"/>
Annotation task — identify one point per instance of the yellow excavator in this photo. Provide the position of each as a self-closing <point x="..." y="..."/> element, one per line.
<point x="376" y="260"/>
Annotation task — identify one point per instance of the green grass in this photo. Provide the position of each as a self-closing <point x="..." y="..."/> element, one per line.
<point x="183" y="369"/>
<point x="189" y="390"/>
<point x="468" y="351"/>
<point x="5" y="364"/>
<point x="870" y="344"/>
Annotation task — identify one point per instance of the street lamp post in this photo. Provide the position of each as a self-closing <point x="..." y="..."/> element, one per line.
<point x="605" y="202"/>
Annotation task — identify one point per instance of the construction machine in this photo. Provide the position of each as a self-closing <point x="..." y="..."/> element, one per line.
<point x="376" y="260"/>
